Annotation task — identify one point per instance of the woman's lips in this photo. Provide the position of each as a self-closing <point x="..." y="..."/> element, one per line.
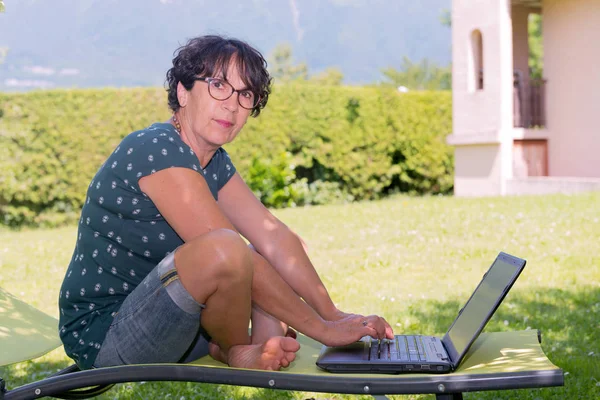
<point x="223" y="123"/>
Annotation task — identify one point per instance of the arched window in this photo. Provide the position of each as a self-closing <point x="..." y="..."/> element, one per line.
<point x="476" y="72"/>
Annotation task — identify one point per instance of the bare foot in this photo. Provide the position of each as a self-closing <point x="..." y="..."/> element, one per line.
<point x="215" y="352"/>
<point x="276" y="353"/>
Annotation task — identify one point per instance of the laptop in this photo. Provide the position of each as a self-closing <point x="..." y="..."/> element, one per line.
<point x="429" y="354"/>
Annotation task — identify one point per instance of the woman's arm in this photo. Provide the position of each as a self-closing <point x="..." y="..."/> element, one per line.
<point x="184" y="199"/>
<point x="285" y="252"/>
<point x="278" y="244"/>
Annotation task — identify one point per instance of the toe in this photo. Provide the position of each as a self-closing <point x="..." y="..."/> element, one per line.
<point x="290" y="357"/>
<point x="289" y="344"/>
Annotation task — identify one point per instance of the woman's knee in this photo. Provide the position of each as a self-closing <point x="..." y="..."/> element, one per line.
<point x="229" y="247"/>
<point x="221" y="253"/>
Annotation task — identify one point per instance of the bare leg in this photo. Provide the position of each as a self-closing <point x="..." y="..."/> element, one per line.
<point x="269" y="289"/>
<point x="265" y="326"/>
<point x="217" y="270"/>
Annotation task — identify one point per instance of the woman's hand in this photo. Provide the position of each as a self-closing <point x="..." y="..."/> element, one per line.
<point x="349" y="328"/>
<point x="337" y="315"/>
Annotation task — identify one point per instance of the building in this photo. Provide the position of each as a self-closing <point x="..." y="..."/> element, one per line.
<point x="513" y="134"/>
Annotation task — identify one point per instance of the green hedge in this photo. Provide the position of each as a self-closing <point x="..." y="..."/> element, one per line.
<point x="312" y="144"/>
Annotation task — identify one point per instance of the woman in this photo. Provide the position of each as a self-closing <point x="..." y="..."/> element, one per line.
<point x="160" y="266"/>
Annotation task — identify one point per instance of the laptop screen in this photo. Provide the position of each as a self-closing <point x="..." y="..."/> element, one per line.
<point x="482" y="305"/>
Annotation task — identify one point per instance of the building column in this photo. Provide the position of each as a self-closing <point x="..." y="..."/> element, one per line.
<point x="482" y="111"/>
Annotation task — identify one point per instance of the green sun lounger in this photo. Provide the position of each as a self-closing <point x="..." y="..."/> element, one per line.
<point x="504" y="360"/>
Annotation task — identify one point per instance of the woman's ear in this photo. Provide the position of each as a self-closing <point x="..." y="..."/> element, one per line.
<point x="182" y="94"/>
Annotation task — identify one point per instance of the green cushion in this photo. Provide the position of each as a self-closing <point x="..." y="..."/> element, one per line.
<point x="25" y="332"/>
<point x="494" y="352"/>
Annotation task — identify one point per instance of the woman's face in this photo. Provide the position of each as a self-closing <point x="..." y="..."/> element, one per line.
<point x="213" y="122"/>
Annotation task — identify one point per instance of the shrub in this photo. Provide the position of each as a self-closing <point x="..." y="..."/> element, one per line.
<point x="312" y="144"/>
<point x="273" y="181"/>
<point x="369" y="140"/>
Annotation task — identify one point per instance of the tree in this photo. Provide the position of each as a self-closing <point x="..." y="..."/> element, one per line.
<point x="446" y="18"/>
<point x="425" y="75"/>
<point x="331" y="76"/>
<point x="536" y="49"/>
<point x="282" y="66"/>
<point x="1" y="6"/>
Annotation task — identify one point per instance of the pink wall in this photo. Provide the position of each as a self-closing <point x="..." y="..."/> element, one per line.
<point x="483" y="132"/>
<point x="481" y="111"/>
<point x="482" y="119"/>
<point x="572" y="67"/>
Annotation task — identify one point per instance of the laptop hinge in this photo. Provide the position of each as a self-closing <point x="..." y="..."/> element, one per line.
<point x="447" y="358"/>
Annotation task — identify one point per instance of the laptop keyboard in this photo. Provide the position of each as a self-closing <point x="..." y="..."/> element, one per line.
<point x="401" y="348"/>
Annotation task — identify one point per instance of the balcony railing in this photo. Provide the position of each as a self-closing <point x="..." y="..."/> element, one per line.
<point x="529" y="102"/>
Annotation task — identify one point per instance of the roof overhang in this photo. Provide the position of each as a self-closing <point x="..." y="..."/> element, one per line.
<point x="537" y="4"/>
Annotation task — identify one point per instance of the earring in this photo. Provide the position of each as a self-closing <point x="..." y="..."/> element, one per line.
<point x="177" y="124"/>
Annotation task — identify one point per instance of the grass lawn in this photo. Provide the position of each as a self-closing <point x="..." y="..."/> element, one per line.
<point x="414" y="261"/>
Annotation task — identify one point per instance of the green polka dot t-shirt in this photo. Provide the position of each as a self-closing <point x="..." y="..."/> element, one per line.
<point x="122" y="235"/>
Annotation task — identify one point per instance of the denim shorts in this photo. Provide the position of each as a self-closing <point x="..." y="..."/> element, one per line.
<point x="159" y="322"/>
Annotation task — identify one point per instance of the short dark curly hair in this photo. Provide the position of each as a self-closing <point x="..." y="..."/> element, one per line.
<point x="206" y="56"/>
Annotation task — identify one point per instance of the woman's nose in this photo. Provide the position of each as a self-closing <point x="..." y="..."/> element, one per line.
<point x="232" y="103"/>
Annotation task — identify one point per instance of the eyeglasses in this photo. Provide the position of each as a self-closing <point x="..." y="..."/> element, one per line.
<point x="220" y="89"/>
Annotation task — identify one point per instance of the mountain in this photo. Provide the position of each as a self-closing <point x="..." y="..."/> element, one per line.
<point x="92" y="43"/>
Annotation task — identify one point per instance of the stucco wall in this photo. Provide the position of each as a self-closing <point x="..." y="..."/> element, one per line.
<point x="572" y="67"/>
<point x="478" y="170"/>
<point x="482" y="111"/>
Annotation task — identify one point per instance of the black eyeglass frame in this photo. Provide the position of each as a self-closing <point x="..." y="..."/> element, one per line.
<point x="208" y="80"/>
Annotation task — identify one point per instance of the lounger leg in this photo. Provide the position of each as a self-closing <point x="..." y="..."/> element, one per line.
<point x="449" y="396"/>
